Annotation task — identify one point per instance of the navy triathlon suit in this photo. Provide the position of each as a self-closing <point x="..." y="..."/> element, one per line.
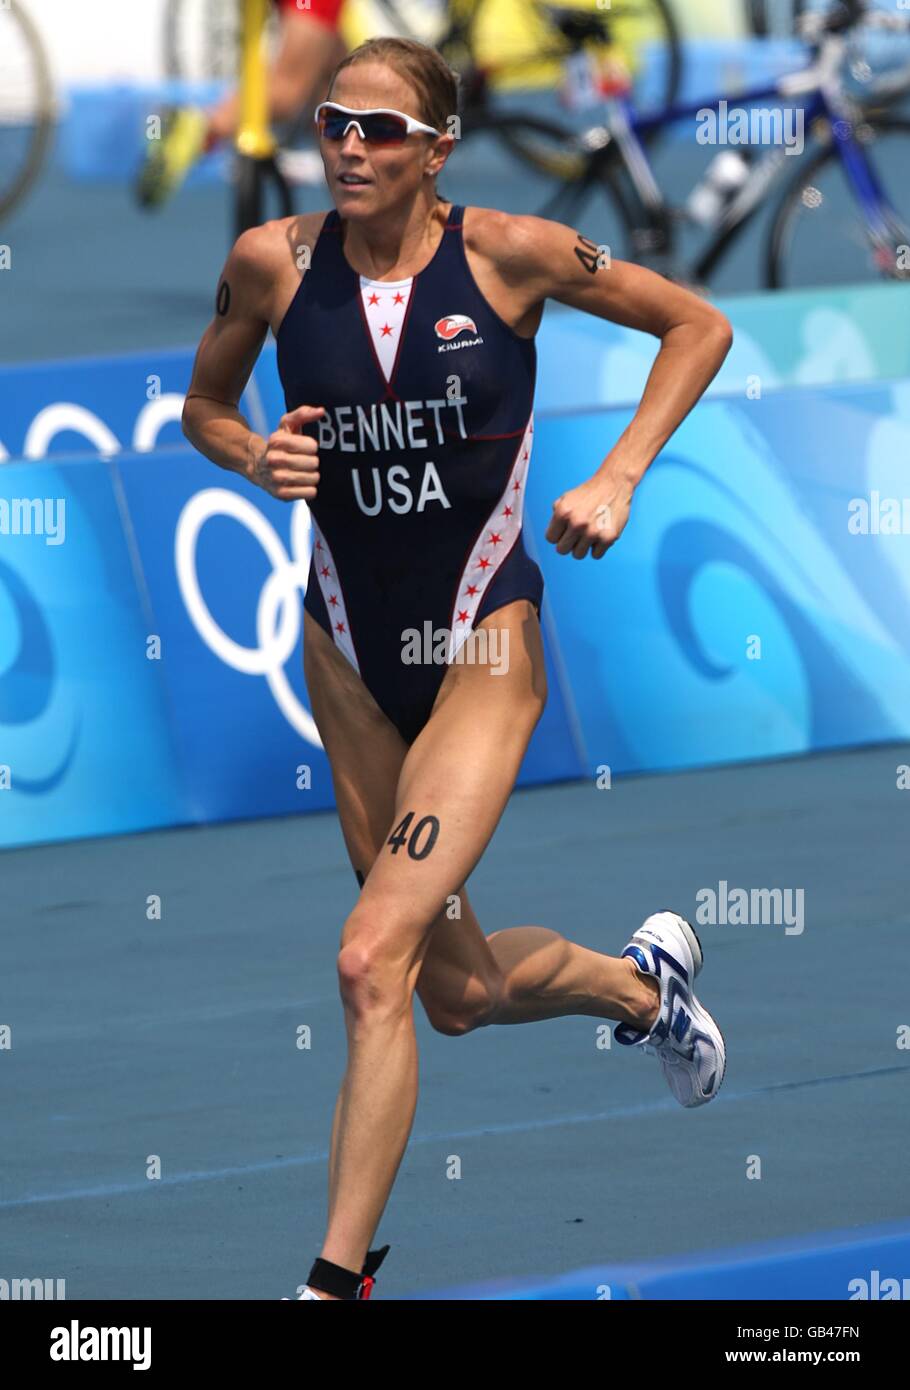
<point x="423" y="458"/>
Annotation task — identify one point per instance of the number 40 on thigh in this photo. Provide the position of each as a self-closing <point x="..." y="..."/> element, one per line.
<point x="419" y="840"/>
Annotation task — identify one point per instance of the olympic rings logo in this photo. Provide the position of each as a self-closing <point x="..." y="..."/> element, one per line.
<point x="279" y="610"/>
<point x="68" y="417"/>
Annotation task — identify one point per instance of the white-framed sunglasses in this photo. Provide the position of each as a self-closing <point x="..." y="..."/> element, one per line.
<point x="378" y="126"/>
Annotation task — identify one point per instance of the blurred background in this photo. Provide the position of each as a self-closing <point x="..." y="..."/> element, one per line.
<point x="82" y="88"/>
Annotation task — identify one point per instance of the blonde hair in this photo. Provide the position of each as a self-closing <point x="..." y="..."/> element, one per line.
<point x="423" y="67"/>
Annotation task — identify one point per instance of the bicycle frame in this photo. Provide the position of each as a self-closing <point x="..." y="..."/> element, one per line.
<point x="651" y="218"/>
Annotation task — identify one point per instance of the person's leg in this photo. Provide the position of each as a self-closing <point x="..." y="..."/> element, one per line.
<point x="464" y="768"/>
<point x="540" y="974"/>
<point x="454" y="783"/>
<point x="365" y="753"/>
<point x="307" y="54"/>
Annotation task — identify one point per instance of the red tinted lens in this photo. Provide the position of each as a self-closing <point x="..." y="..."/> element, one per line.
<point x="385" y="130"/>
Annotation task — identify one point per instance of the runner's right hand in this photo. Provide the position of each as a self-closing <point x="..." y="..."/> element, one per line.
<point x="288" y="466"/>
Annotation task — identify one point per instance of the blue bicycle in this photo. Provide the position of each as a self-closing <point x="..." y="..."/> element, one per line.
<point x="843" y="213"/>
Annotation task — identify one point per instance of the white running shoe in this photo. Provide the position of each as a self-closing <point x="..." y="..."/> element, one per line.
<point x="684" y="1038"/>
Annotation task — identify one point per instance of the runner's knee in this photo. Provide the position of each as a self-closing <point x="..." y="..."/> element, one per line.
<point x="371" y="984"/>
<point x="373" y="974"/>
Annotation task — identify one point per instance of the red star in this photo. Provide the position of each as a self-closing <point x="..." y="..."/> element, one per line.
<point x="325" y="571"/>
<point x="507" y="511"/>
<point x="318" y="545"/>
<point x="516" y="486"/>
<point x="495" y="538"/>
<point x="471" y="589"/>
<point x="386" y="331"/>
<point x="484" y="564"/>
<point x="399" y="298"/>
<point x="339" y="627"/>
<point x="374" y="298"/>
<point x="463" y="617"/>
<point x="334" y="600"/>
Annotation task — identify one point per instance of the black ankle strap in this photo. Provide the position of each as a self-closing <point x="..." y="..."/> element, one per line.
<point x="344" y="1283"/>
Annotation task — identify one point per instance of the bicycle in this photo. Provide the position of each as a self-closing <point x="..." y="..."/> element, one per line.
<point x="27" y="106"/>
<point x="850" y="137"/>
<point x="201" y="38"/>
<point x="586" y="47"/>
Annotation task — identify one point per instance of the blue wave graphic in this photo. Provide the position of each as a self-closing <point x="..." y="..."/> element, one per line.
<point x="27" y="687"/>
<point x="688" y="547"/>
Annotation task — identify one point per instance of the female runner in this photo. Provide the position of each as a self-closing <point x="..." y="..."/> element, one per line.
<point x="405" y="334"/>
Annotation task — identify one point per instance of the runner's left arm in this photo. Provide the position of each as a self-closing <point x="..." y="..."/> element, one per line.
<point x="547" y="260"/>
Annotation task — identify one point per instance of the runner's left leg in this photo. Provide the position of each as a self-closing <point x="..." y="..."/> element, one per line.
<point x="454" y="783"/>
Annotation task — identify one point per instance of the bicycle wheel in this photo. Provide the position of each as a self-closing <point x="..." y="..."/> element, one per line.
<point x="610" y="218"/>
<point x="548" y="148"/>
<point x="821" y="235"/>
<point x="26" y="104"/>
<point x="202" y="37"/>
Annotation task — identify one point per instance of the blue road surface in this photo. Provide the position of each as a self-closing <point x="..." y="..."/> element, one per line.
<point x="177" y="1038"/>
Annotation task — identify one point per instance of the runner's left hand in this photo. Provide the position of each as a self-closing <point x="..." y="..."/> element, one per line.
<point x="591" y="517"/>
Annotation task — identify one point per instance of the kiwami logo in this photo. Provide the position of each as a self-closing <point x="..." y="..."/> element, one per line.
<point x="454" y="324"/>
<point x="449" y="327"/>
<point x="102" y="1344"/>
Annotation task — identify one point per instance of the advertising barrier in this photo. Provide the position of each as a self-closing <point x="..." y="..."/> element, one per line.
<point x="798" y="338"/>
<point x="825" y="1265"/>
<point x="150" y="652"/>
<point x="85" y="733"/>
<point x="757" y="604"/>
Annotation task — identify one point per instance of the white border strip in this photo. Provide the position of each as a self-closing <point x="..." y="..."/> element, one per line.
<point x="497" y="536"/>
<point x="330" y="584"/>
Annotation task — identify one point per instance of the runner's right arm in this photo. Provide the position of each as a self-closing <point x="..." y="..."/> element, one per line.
<point x="286" y="463"/>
